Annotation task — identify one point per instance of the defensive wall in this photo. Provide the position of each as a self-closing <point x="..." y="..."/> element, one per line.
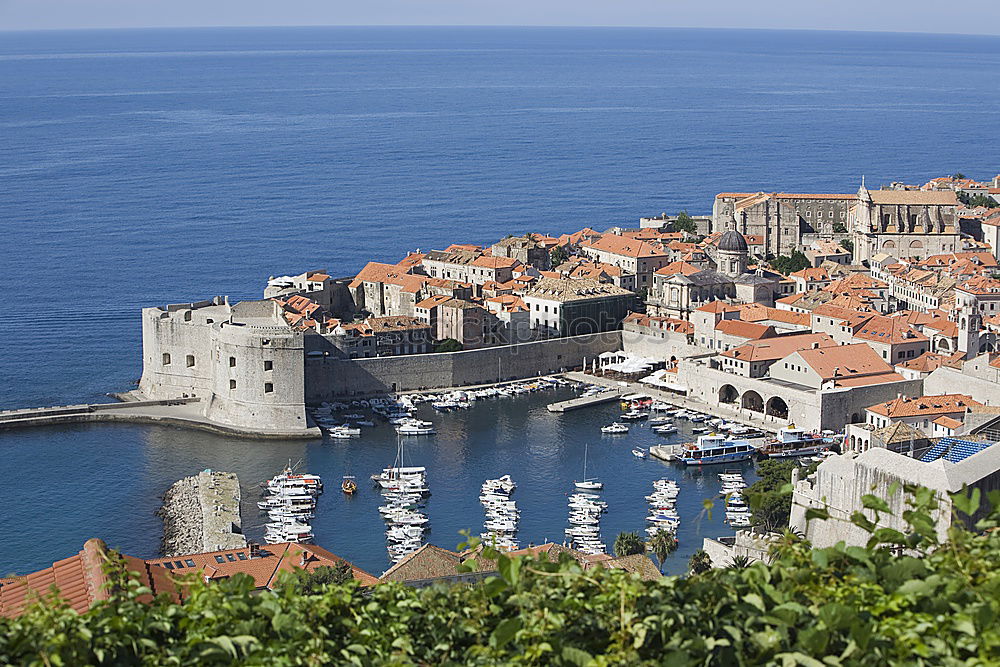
<point x="840" y="482"/>
<point x="327" y="378"/>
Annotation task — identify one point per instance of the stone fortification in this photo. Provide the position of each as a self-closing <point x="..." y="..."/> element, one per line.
<point x="202" y="513"/>
<point x="329" y="378"/>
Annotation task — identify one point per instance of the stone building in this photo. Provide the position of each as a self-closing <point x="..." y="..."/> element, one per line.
<point x="243" y="361"/>
<point x="904" y="223"/>
<point x="525" y="249"/>
<point x="630" y="255"/>
<point x="781" y="219"/>
<point x="571" y="307"/>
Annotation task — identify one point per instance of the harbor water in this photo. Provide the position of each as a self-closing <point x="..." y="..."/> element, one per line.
<point x="160" y="166"/>
<point x="543" y="453"/>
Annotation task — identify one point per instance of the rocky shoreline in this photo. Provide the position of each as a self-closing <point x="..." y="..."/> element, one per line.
<point x="202" y="513"/>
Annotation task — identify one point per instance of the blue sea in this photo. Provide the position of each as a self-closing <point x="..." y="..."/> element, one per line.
<point x="151" y="166"/>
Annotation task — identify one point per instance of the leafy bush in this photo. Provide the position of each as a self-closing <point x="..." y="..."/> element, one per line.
<point x="903" y="599"/>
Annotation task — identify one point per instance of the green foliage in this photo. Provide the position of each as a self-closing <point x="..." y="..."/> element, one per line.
<point x="769" y="500"/>
<point x="740" y="561"/>
<point x="558" y="255"/>
<point x="839" y="228"/>
<point x="977" y="200"/>
<point x="915" y="602"/>
<point x="699" y="562"/>
<point x="685" y="223"/>
<point x="627" y="544"/>
<point x="786" y="264"/>
<point x="448" y="345"/>
<point x="662" y="544"/>
<point x="315" y="581"/>
<point x="958" y="176"/>
<point x="847" y="244"/>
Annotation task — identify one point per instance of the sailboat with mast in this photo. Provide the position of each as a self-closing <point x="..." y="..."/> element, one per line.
<point x="590" y="484"/>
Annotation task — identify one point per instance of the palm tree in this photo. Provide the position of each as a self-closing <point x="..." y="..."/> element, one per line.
<point x="740" y="561"/>
<point x="627" y="544"/>
<point x="662" y="545"/>
<point x="700" y="562"/>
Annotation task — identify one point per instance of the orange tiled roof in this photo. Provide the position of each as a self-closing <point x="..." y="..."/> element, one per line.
<point x="947" y="422"/>
<point x="265" y="568"/>
<point x="742" y="329"/>
<point x="80" y="580"/>
<point x="844" y="362"/>
<point x="784" y="195"/>
<point x="621" y="245"/>
<point x="811" y="274"/>
<point x="925" y="405"/>
<point x="772" y="349"/>
<point x="716" y="307"/>
<point x="679" y="267"/>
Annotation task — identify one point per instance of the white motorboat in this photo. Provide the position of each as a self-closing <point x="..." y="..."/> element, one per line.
<point x="635" y="415"/>
<point x="344" y="432"/>
<point x="666" y="429"/>
<point x="415" y="429"/>
<point x="616" y="428"/>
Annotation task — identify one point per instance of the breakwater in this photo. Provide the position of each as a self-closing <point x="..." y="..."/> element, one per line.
<point x="202" y="513"/>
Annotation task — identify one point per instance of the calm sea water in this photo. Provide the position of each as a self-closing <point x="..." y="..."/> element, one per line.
<point x="144" y="167"/>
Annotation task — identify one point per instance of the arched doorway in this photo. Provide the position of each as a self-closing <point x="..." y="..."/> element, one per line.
<point x="753" y="401"/>
<point x="728" y="394"/>
<point x="776" y="407"/>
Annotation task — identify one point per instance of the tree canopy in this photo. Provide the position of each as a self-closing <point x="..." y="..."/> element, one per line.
<point x="976" y="200"/>
<point x="786" y="264"/>
<point x="904" y="598"/>
<point x="685" y="223"/>
<point x="448" y="345"/>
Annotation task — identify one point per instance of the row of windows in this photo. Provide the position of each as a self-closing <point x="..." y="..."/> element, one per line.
<point x="268" y="386"/>
<point x="189" y="361"/>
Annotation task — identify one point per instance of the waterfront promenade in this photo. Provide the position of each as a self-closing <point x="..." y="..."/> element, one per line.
<point x="768" y="424"/>
<point x="182" y="411"/>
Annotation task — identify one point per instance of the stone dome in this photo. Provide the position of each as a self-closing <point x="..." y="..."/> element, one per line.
<point x="733" y="241"/>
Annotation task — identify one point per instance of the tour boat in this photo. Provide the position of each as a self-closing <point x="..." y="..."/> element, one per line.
<point x="791" y="442"/>
<point x="615" y="428"/>
<point x="714" y="448"/>
<point x="639" y="453"/>
<point x="591" y="484"/>
<point x="349" y="486"/>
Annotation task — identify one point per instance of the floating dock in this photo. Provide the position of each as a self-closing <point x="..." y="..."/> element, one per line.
<point x="585" y="401"/>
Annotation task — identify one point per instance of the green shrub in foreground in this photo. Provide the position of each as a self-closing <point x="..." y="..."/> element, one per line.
<point x="936" y="605"/>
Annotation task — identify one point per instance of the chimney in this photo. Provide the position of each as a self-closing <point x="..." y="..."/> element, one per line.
<point x="254" y="550"/>
<point x="836" y="371"/>
<point x="815" y="345"/>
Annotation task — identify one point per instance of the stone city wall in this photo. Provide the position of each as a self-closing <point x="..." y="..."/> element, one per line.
<point x="328" y="378"/>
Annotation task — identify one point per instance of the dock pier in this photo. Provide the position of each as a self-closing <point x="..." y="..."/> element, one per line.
<point x="585" y="401"/>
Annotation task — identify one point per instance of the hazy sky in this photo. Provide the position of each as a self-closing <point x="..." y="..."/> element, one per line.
<point x="970" y="16"/>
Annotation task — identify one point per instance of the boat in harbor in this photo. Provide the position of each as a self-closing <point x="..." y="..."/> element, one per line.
<point x="634" y="415"/>
<point x="665" y="429"/>
<point x="716" y="448"/>
<point x="791" y="442"/>
<point x="589" y="484"/>
<point x="415" y="429"/>
<point x="616" y="428"/>
<point x="344" y="431"/>
<point x="349" y="486"/>
<point x="639" y="453"/>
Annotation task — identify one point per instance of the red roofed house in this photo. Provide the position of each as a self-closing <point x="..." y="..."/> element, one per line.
<point x="835" y="366"/>
<point x="81" y="580"/>
<point x="922" y="411"/>
<point x="754" y="359"/>
<point x="630" y="255"/>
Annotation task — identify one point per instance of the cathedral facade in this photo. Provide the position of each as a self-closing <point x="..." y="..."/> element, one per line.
<point x="904" y="223"/>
